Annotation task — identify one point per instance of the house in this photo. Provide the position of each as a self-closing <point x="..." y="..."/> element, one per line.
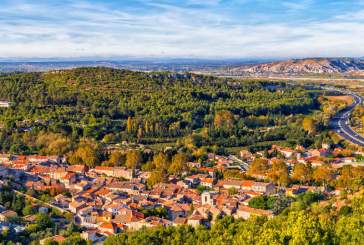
<point x="80" y="169"/>
<point x="58" y="173"/>
<point x="43" y="210"/>
<point x="113" y="208"/>
<point x="85" y="211"/>
<point x="44" y="159"/>
<point x="108" y="171"/>
<point x="194" y="164"/>
<point x="61" y="201"/>
<point x="194" y="180"/>
<point x="195" y="219"/>
<point x="287" y="153"/>
<point x="176" y="210"/>
<point x="348" y="159"/>
<point x="89" y="235"/>
<point x="5" y="158"/>
<point x="76" y="206"/>
<point x="121" y="172"/>
<point x="245" y="154"/>
<point x="82" y="185"/>
<point x="151" y="221"/>
<point x="296" y="190"/>
<point x="246" y="212"/>
<point x="117" y="172"/>
<point x="207" y="182"/>
<point x="179" y="221"/>
<point x="68" y="179"/>
<point x="127" y="187"/>
<point x="317" y="163"/>
<point x="237" y="184"/>
<point x="318" y="153"/>
<point x="128" y="216"/>
<point x="247" y="185"/>
<point x="58" y="238"/>
<point x="105" y="217"/>
<point x="210" y="171"/>
<point x="89" y="220"/>
<point x="107" y="229"/>
<point x="7" y="214"/>
<point x="262" y="187"/>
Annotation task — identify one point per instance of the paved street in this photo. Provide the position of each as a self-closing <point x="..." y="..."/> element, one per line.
<point x="340" y="122"/>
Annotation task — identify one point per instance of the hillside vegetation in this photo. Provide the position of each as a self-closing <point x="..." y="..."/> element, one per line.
<point x="114" y="105"/>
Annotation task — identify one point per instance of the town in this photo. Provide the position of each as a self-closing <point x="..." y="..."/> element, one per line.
<point x="105" y="200"/>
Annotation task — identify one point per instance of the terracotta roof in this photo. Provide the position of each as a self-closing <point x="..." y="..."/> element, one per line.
<point x="69" y="176"/>
<point x="103" y="168"/>
<point x="108" y="226"/>
<point x="207" y="180"/>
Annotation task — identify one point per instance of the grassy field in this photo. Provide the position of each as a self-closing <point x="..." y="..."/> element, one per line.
<point x="343" y="98"/>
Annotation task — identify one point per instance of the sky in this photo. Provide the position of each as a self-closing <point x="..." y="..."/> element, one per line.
<point x="212" y="29"/>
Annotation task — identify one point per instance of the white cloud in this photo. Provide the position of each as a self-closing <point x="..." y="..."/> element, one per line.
<point x="85" y="29"/>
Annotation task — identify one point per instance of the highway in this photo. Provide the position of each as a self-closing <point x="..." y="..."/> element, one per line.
<point x="340" y="122"/>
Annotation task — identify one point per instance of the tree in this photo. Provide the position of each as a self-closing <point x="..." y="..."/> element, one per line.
<point x="133" y="159"/>
<point x="223" y="119"/>
<point x="29" y="209"/>
<point x="140" y="133"/>
<point x="50" y="241"/>
<point x="55" y="144"/>
<point x="178" y="164"/>
<point x="43" y="221"/>
<point x="109" y="138"/>
<point x="302" y="172"/>
<point x="350" y="230"/>
<point x="117" y="158"/>
<point x="259" y="167"/>
<point x="308" y="125"/>
<point x="232" y="191"/>
<point x="279" y="173"/>
<point x="87" y="153"/>
<point x="161" y="161"/>
<point x="74" y="240"/>
<point x="323" y="174"/>
<point x="262" y="202"/>
<point x="129" y="125"/>
<point x="157" y="176"/>
<point x="303" y="228"/>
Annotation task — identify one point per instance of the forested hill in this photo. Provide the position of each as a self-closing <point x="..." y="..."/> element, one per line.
<point x="121" y="104"/>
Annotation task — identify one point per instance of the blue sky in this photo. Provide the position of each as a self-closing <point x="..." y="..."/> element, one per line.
<point x="181" y="28"/>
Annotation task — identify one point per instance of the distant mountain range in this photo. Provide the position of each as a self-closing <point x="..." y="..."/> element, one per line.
<point x="291" y="67"/>
<point x="251" y="68"/>
<point x="174" y="65"/>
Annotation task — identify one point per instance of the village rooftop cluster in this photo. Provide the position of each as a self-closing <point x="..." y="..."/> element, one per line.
<point x="109" y="200"/>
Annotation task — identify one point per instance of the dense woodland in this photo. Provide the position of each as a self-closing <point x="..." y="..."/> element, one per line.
<point x="111" y="105"/>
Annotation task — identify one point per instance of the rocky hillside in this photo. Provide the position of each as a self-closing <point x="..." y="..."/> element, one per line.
<point x="302" y="66"/>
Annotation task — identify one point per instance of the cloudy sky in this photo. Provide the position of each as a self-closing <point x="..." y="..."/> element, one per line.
<point x="181" y="28"/>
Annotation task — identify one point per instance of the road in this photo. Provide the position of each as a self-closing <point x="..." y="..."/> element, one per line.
<point x="340" y="122"/>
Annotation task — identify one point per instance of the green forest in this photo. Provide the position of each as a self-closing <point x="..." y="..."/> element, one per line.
<point x="111" y="106"/>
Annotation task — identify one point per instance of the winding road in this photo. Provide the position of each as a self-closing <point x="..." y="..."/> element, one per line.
<point x="340" y="122"/>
